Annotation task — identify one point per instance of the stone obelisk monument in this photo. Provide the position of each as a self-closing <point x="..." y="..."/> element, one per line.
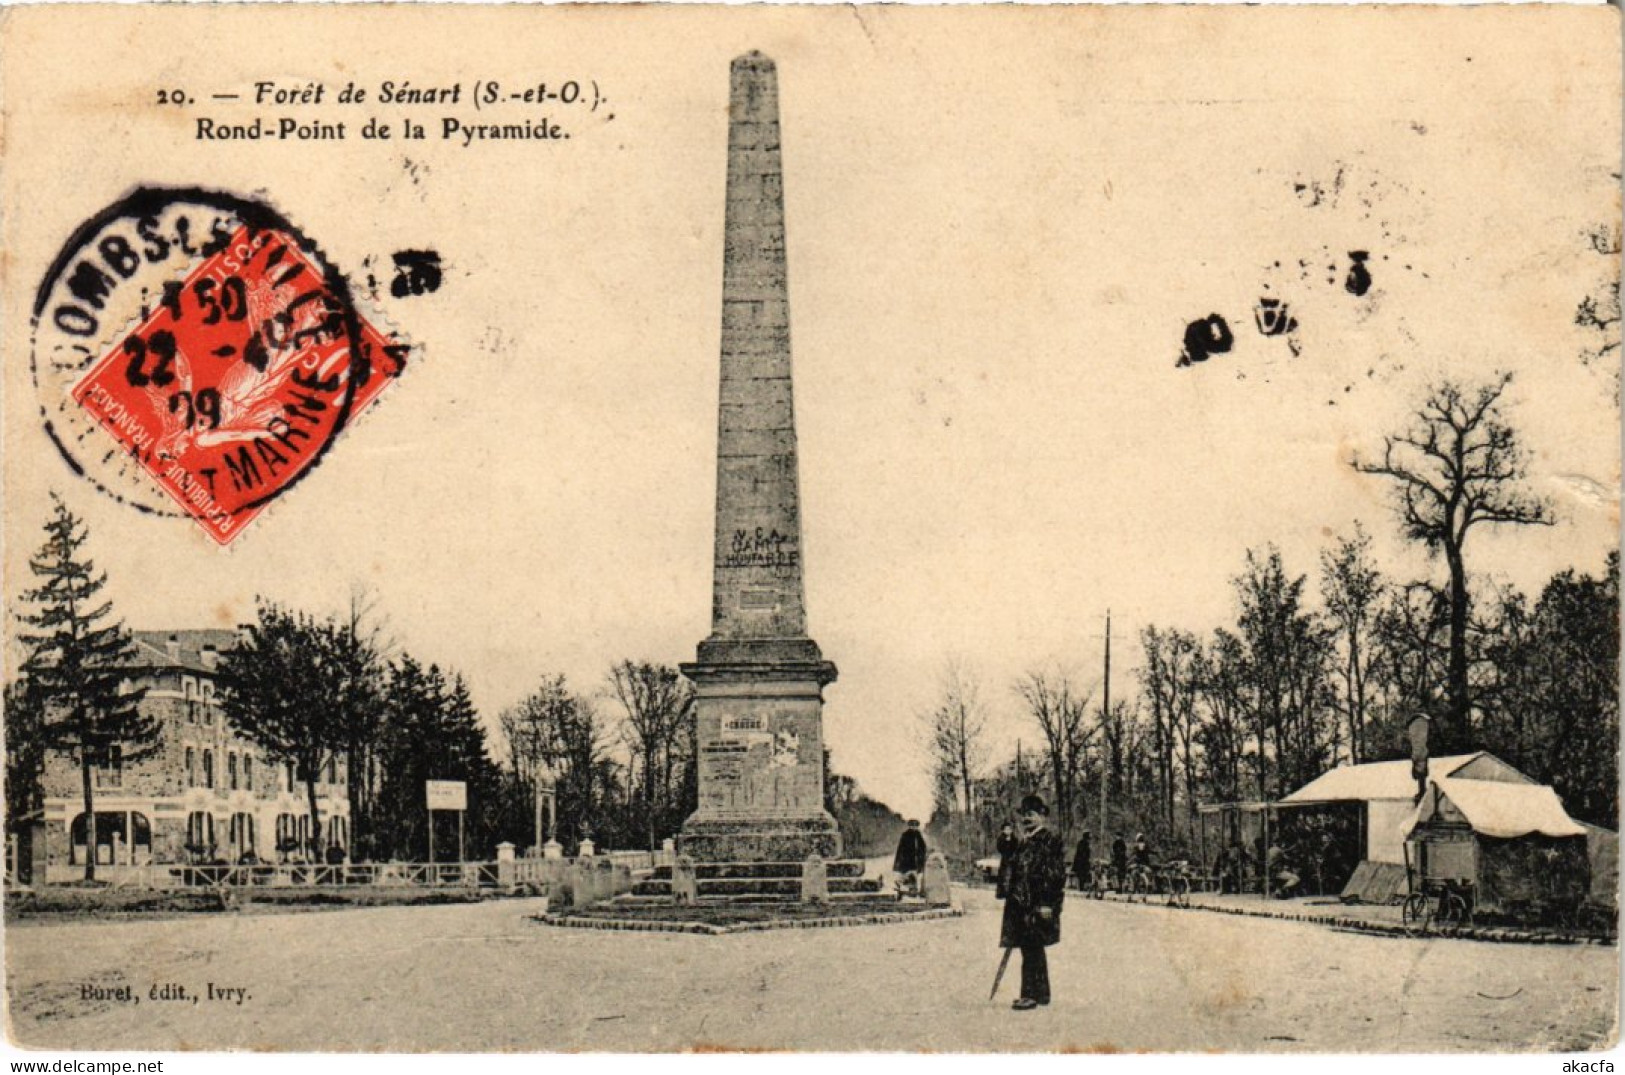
<point x="758" y="678"/>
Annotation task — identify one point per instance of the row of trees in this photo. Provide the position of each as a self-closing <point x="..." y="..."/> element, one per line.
<point x="630" y="781"/>
<point x="1317" y="672"/>
<point x="317" y="694"/>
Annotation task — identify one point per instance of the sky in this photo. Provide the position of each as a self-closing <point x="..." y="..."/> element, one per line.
<point x="999" y="226"/>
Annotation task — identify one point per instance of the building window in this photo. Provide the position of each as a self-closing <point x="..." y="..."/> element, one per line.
<point x="189" y="692"/>
<point x="332" y="769"/>
<point x="290" y="776"/>
<point x="338" y="832"/>
<point x="110" y="769"/>
<point x="200" y="833"/>
<point x="287" y="834"/>
<point x="122" y="838"/>
<point x="244" y="842"/>
<point x="206" y="689"/>
<point x="248" y="771"/>
<point x="191" y="768"/>
<point x="208" y="768"/>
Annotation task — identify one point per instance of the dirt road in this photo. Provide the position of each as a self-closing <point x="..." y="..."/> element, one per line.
<point x="487" y="977"/>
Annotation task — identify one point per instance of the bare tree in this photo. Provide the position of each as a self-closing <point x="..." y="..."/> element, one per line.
<point x="1460" y="464"/>
<point x="1599" y="312"/>
<point x="1222" y="733"/>
<point x="1276" y="671"/>
<point x="1351" y="585"/>
<point x="656" y="700"/>
<point x="1409" y="655"/>
<point x="1168" y="678"/>
<point x="955" y="734"/>
<point x="554" y="737"/>
<point x="1058" y="708"/>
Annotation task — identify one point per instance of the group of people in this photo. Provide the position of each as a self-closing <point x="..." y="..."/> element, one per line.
<point x="1311" y="864"/>
<point x="1031" y="882"/>
<point x="1123" y="856"/>
<point x="1314" y="864"/>
<point x="1033" y="873"/>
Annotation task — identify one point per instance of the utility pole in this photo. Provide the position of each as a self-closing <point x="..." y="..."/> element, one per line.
<point x="1105" y="715"/>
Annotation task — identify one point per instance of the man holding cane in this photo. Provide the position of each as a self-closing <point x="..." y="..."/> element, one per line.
<point x="1035" y="883"/>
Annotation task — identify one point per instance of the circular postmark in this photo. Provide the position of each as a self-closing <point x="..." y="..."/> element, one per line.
<point x="195" y="355"/>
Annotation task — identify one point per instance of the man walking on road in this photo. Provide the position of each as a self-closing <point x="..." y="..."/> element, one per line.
<point x="1035" y="887"/>
<point x="909" y="862"/>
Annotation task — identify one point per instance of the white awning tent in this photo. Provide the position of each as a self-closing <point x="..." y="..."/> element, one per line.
<point x="1514" y="843"/>
<point x="1471" y="793"/>
<point x="1389" y="793"/>
<point x="1505" y="811"/>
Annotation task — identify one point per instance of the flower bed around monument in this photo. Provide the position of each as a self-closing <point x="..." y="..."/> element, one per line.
<point x="745" y="917"/>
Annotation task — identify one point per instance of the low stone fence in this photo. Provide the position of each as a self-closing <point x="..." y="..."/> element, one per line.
<point x="635" y="860"/>
<point x="414" y="874"/>
<point x="596" y="876"/>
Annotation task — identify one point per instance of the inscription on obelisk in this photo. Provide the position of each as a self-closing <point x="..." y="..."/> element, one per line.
<point x="759" y="679"/>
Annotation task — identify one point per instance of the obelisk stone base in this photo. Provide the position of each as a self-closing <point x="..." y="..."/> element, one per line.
<point x="761" y="766"/>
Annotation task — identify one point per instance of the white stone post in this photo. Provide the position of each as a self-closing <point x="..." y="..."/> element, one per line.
<point x="814" y="880"/>
<point x="935" y="887"/>
<point x="507" y="872"/>
<point x="684" y="884"/>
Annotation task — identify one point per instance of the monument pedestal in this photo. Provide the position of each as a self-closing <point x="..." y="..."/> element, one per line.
<point x="717" y="840"/>
<point x="759" y="724"/>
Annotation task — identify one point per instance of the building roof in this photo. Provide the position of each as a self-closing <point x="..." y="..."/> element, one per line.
<point x="1494" y="808"/>
<point x="152" y="648"/>
<point x="1376" y="780"/>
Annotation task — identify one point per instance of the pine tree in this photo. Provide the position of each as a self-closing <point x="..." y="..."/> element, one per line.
<point x="469" y="760"/>
<point x="25" y="752"/>
<point x="404" y="752"/>
<point x="77" y="664"/>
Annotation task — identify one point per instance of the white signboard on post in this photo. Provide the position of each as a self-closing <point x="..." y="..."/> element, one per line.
<point x="447" y="794"/>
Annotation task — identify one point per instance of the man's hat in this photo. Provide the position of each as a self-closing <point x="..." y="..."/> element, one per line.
<point x="1032" y="804"/>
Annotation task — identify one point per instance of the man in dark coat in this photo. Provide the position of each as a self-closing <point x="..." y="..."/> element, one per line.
<point x="909" y="861"/>
<point x="1035" y="888"/>
<point x="1119" y="862"/>
<point x="1007" y="856"/>
<point x="1083" y="864"/>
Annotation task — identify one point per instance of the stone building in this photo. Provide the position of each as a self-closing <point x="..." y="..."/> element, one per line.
<point x="206" y="794"/>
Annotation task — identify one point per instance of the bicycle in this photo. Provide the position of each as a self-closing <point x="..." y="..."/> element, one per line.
<point x="1176" y="876"/>
<point x="1439" y="903"/>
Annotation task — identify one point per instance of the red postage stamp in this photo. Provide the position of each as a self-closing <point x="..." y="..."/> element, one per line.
<point x="231" y="388"/>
